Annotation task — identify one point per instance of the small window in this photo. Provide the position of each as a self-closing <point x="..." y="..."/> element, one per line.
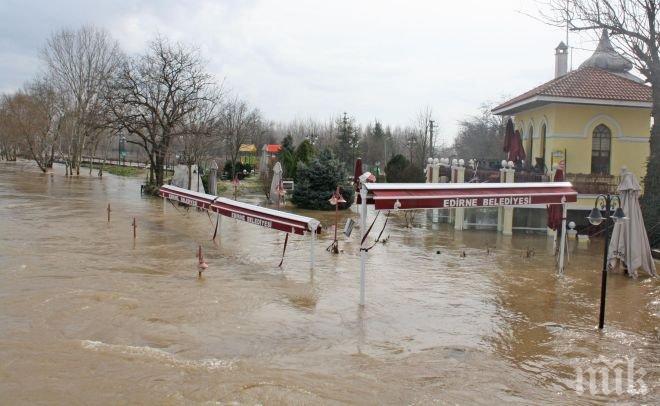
<point x="601" y="145"/>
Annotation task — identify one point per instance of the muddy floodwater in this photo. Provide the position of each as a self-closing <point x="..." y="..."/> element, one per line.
<point x="90" y="316"/>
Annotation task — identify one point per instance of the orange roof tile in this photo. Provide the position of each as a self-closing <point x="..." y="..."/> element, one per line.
<point x="585" y="83"/>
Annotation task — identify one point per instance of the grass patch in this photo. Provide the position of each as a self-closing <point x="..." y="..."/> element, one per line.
<point x="123" y="170"/>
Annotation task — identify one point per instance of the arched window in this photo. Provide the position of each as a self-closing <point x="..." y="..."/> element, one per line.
<point x="601" y="144"/>
<point x="542" y="146"/>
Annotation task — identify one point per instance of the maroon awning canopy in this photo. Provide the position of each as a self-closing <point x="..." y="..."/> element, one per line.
<point x="261" y="216"/>
<point x="448" y="195"/>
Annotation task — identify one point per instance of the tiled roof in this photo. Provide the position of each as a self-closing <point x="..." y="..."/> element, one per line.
<point x="588" y="83"/>
<point x="273" y="148"/>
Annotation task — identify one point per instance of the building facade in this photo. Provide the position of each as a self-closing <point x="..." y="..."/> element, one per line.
<point x="593" y="121"/>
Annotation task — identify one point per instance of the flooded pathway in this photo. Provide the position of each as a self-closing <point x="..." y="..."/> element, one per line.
<point x="88" y="316"/>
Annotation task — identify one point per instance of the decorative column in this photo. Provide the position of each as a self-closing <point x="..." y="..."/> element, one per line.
<point x="507" y="226"/>
<point x="428" y="170"/>
<point x="213" y="179"/>
<point x="459" y="212"/>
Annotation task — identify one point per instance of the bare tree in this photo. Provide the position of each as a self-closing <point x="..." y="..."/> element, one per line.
<point x="423" y="135"/>
<point x="9" y="140"/>
<point x="200" y="132"/>
<point x="635" y="30"/>
<point x="238" y="122"/>
<point x="480" y="136"/>
<point x="78" y="64"/>
<point x="31" y="116"/>
<point x="154" y="94"/>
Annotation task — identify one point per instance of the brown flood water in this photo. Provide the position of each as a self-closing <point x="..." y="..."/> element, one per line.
<point x="87" y="316"/>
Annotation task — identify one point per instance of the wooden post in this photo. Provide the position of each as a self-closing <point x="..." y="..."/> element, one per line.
<point x="134" y="228"/>
<point x="109" y="212"/>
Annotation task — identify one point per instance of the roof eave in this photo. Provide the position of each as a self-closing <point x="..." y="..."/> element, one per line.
<point x="538" y="100"/>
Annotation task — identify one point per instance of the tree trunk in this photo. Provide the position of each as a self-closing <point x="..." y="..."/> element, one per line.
<point x="158" y="170"/>
<point x="651" y="198"/>
<point x="189" y="177"/>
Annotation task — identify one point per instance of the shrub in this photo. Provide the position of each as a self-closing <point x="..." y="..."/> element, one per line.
<point x="317" y="181"/>
<point x="240" y="167"/>
<point x="400" y="170"/>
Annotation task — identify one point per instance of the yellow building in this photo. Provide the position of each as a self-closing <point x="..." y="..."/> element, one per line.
<point x="595" y="119"/>
<point x="247" y="154"/>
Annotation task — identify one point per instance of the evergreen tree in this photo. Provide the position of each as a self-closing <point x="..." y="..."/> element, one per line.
<point x="305" y="152"/>
<point x="287" y="157"/>
<point x="401" y="170"/>
<point x="287" y="144"/>
<point x="317" y="181"/>
<point x="348" y="139"/>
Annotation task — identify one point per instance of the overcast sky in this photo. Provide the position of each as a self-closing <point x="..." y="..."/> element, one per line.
<point x="297" y="59"/>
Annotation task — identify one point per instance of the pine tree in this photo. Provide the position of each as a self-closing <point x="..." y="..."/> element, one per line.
<point x="348" y="141"/>
<point x="318" y="180"/>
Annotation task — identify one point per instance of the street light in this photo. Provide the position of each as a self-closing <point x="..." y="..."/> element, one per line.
<point x="122" y="142"/>
<point x="336" y="199"/>
<point x="596" y="218"/>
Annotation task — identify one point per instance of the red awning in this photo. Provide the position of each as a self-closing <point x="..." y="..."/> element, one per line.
<point x="449" y="195"/>
<point x="261" y="216"/>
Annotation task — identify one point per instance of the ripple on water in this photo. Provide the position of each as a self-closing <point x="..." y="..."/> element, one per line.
<point x="147" y="353"/>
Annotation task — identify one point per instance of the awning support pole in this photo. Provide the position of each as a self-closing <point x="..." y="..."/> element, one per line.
<point x="563" y="239"/>
<point x="363" y="231"/>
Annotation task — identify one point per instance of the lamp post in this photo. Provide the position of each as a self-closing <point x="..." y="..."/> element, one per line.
<point x="595" y="218"/>
<point x="336" y="199"/>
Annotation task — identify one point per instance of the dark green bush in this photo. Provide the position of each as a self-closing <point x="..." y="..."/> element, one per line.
<point x="317" y="181"/>
<point x="400" y="170"/>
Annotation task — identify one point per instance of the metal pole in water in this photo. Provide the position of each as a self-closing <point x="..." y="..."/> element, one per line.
<point x="563" y="239"/>
<point x="603" y="279"/>
<point x="363" y="231"/>
<point x="311" y="248"/>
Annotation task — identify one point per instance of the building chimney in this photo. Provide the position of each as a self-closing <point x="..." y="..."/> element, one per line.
<point x="561" y="60"/>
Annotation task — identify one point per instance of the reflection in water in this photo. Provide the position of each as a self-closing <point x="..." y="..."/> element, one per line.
<point x="88" y="314"/>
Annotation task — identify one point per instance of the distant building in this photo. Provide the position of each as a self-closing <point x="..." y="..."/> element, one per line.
<point x="271" y="150"/>
<point x="247" y="154"/>
<point x="595" y="120"/>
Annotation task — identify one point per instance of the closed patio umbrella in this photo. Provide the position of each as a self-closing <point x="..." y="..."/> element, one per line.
<point x="508" y="134"/>
<point x="630" y="244"/>
<point x="356" y="174"/>
<point x="516" y="150"/>
<point x="275" y="183"/>
<point x="555" y="210"/>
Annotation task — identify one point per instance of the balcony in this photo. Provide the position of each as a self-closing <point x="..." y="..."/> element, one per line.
<point x="592" y="184"/>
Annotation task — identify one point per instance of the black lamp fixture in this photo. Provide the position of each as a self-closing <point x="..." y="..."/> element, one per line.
<point x="596" y="218"/>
